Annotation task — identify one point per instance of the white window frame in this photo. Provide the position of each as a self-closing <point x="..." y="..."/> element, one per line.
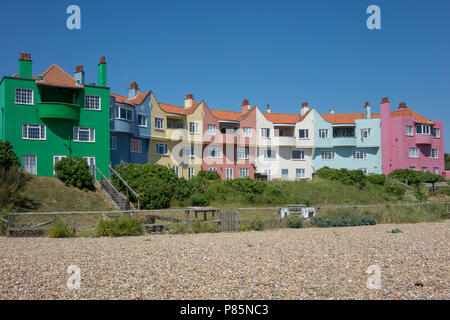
<point x="285" y="176"/>
<point x="212" y="129"/>
<point x="243" y="172"/>
<point x="302" y="155"/>
<point x="414" y="154"/>
<point x="191" y="172"/>
<point x="35" y="166"/>
<point x="328" y="155"/>
<point x="438" y="131"/>
<point x="302" y="171"/>
<point x="242" y="153"/>
<point x="88" y="99"/>
<point x="24" y="99"/>
<point x="434" y="156"/>
<point x="366" y="133"/>
<point x="409" y="131"/>
<point x="424" y="128"/>
<point x="217" y="154"/>
<point x="26" y="131"/>
<point x="76" y="134"/>
<point x="166" y="149"/>
<point x="365" y="170"/>
<point x="265" y="132"/>
<point x="247" y="132"/>
<point x="424" y="169"/>
<point x="323" y="133"/>
<point x="306" y="131"/>
<point x="112" y="142"/>
<point x="436" y="170"/>
<point x="272" y="154"/>
<point x="134" y="143"/>
<point x="359" y="154"/>
<point x="118" y="115"/>
<point x="88" y="160"/>
<point x="143" y="116"/>
<point x="193" y="127"/>
<point x="229" y="173"/>
<point x="189" y="151"/>
<point x="159" y="123"/>
<point x="176" y="169"/>
<point x="55" y="162"/>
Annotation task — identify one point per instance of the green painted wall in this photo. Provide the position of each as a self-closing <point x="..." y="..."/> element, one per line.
<point x="59" y="131"/>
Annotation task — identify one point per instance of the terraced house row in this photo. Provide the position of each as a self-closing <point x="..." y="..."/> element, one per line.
<point x="56" y="115"/>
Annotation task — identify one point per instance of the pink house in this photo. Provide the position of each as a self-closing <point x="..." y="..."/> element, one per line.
<point x="229" y="142"/>
<point x="410" y="141"/>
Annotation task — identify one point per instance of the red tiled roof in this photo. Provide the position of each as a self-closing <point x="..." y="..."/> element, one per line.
<point x="137" y="100"/>
<point x="226" y="115"/>
<point x="282" y="117"/>
<point x="170" y="108"/>
<point x="55" y="76"/>
<point x="346" y="118"/>
<point x="406" y="112"/>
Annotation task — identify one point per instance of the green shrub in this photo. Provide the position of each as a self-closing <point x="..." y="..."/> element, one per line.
<point x="203" y="227"/>
<point x="245" y="226"/>
<point x="396" y="230"/>
<point x="257" y="224"/>
<point x="8" y="159"/>
<point x="176" y="228"/>
<point x="246" y="185"/>
<point x="294" y="221"/>
<point x="340" y="221"/>
<point x="395" y="189"/>
<point x="415" y="177"/>
<point x="60" y="229"/>
<point x="208" y="175"/>
<point x="74" y="172"/>
<point x="12" y="185"/>
<point x="378" y="179"/>
<point x="345" y="176"/>
<point x="123" y="226"/>
<point x="199" y="200"/>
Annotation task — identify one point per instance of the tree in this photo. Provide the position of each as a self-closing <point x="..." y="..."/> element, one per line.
<point x="8" y="158"/>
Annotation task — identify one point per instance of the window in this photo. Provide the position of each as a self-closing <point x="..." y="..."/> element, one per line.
<point x="162" y="148"/>
<point x="29" y="163"/>
<point x="213" y="169"/>
<point x="242" y="153"/>
<point x="247" y="132"/>
<point x="268" y="173"/>
<point x="436" y="170"/>
<point x="366" y="133"/>
<point x="33" y="132"/>
<point x="243" y="172"/>
<point x="83" y="134"/>
<point x="412" y="168"/>
<point x="176" y="170"/>
<point x="265" y="132"/>
<point x="413" y="152"/>
<point x="303" y="133"/>
<point x="229" y="173"/>
<point x="365" y="170"/>
<point x="299" y="173"/>
<point x="91" y="162"/>
<point x="359" y="154"/>
<point x="328" y="155"/>
<point x="142" y="120"/>
<point x="113" y="142"/>
<point x="136" y="145"/>
<point x="24" y="96"/>
<point x="124" y="113"/>
<point x="159" y="123"/>
<point x="422" y="129"/>
<point x="188" y="151"/>
<point x="193" y="127"/>
<point x="56" y="159"/>
<point x="269" y="154"/>
<point x="434" y="153"/>
<point x="409" y="130"/>
<point x="191" y="172"/>
<point x="323" y="133"/>
<point x="214" y="152"/>
<point x="285" y="174"/>
<point x="424" y="169"/>
<point x="92" y="102"/>
<point x="436" y="132"/>
<point x="298" y="154"/>
<point x="211" y="129"/>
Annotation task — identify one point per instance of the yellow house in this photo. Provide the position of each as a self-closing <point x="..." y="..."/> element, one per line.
<point x="177" y="136"/>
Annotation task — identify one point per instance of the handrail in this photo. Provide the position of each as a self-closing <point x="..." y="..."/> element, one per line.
<point x="126" y="185"/>
<point x="107" y="180"/>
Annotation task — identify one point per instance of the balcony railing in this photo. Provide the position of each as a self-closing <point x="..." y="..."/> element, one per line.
<point x="58" y="110"/>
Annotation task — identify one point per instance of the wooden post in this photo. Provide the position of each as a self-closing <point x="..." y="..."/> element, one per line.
<point x="186" y="214"/>
<point x="74" y="216"/>
<point x="195" y="212"/>
<point x="355" y="208"/>
<point x="219" y="216"/>
<point x="204" y="215"/>
<point x="318" y="210"/>
<point x="447" y="207"/>
<point x="8" y="225"/>
<point x="237" y="219"/>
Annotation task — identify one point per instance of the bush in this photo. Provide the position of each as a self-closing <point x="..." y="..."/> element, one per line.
<point x="379" y="179"/>
<point x="8" y="159"/>
<point x="246" y="185"/>
<point x="60" y="229"/>
<point x="395" y="189"/>
<point x="121" y="227"/>
<point x="12" y="185"/>
<point x="74" y="172"/>
<point x="294" y="221"/>
<point x="203" y="227"/>
<point x="339" y="221"/>
<point x="415" y="177"/>
<point x="257" y="224"/>
<point x="208" y="175"/>
<point x="199" y="200"/>
<point x="345" y="176"/>
<point x="176" y="228"/>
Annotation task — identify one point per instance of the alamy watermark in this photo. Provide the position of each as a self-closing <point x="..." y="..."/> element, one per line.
<point x="74" y="280"/>
<point x="374" y="280"/>
<point x="374" y="20"/>
<point x="73" y="22"/>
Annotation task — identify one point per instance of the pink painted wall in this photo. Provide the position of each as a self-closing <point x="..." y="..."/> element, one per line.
<point x="396" y="144"/>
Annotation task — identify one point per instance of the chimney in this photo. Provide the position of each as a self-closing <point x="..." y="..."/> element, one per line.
<point x="189" y="102"/>
<point x="304" y="108"/>
<point x="402" y="105"/>
<point x="367" y="113"/>
<point x="245" y="105"/>
<point x="268" y="108"/>
<point x="331" y="110"/>
<point x="101" y="72"/>
<point x="25" y="66"/>
<point x="79" y="74"/>
<point x="133" y="90"/>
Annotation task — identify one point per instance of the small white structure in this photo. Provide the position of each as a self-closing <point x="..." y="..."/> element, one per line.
<point x="301" y="209"/>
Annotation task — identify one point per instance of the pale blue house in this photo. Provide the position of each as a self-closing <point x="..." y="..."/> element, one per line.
<point x="348" y="140"/>
<point x="130" y="126"/>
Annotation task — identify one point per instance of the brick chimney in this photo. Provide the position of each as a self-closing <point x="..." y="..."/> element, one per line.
<point x="78" y="75"/>
<point x="367" y="113"/>
<point x="133" y="90"/>
<point x="25" y="66"/>
<point x="304" y="109"/>
<point x="402" y="105"/>
<point x="268" y="108"/>
<point x="101" y="70"/>
<point x="189" y="102"/>
<point x="331" y="110"/>
<point x="245" y="105"/>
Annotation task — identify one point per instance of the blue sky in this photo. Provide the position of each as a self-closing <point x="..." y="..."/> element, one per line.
<point x="280" y="53"/>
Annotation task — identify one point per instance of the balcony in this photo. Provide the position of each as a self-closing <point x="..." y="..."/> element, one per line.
<point x="424" y="138"/>
<point x="344" y="141"/>
<point x="59" y="110"/>
<point x="285" y="141"/>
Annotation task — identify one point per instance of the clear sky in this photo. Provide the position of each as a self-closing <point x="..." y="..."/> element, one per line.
<point x="280" y="53"/>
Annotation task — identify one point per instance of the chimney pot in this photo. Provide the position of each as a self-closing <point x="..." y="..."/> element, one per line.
<point x="331" y="110"/>
<point x="189" y="102"/>
<point x="245" y="105"/>
<point x="366" y="104"/>
<point x="304" y="104"/>
<point x="268" y="108"/>
<point x="402" y="105"/>
<point x="190" y="96"/>
<point x="385" y="100"/>
<point x="102" y="60"/>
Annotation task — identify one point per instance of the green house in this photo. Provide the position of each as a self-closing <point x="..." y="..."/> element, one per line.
<point x="55" y="115"/>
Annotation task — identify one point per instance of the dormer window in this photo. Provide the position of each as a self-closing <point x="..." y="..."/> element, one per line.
<point x="423" y="129"/>
<point x="124" y="113"/>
